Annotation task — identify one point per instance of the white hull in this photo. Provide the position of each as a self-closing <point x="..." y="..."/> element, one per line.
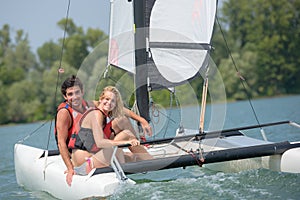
<point x="29" y="169"/>
<point x="289" y="161"/>
<point x="267" y="162"/>
<point x="282" y="163"/>
<point x="29" y="166"/>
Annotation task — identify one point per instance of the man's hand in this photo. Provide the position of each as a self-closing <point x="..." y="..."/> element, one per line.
<point x="69" y="176"/>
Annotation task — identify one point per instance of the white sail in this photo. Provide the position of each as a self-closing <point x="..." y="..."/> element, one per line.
<point x="179" y="35"/>
<point x="192" y="19"/>
<point x="121" y="40"/>
<point x="183" y="30"/>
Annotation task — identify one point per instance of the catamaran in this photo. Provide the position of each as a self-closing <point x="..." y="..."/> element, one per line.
<point x="163" y="44"/>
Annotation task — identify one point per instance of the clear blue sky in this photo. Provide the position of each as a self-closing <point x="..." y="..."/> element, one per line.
<point x="38" y="18"/>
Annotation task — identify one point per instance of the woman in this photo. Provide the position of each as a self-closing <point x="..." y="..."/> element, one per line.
<point x="96" y="137"/>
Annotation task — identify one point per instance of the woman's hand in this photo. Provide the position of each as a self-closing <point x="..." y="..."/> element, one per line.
<point x="134" y="142"/>
<point x="146" y="128"/>
<point x="145" y="125"/>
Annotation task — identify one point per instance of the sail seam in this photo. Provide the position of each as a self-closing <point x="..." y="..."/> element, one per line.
<point x="179" y="45"/>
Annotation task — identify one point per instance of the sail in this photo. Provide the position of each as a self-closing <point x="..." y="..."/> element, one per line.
<point x="121" y="38"/>
<point x="179" y="36"/>
<point x="177" y="41"/>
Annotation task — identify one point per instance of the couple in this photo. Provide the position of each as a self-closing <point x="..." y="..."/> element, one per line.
<point x="91" y="129"/>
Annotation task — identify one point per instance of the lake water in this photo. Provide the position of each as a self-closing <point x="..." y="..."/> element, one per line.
<point x="192" y="182"/>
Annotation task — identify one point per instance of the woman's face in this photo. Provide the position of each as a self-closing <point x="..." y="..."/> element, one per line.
<point x="108" y="101"/>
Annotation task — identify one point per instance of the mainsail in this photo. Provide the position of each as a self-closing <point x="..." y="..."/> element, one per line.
<point x="177" y="42"/>
<point x="164" y="43"/>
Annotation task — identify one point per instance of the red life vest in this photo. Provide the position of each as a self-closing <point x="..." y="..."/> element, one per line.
<point x="76" y="143"/>
<point x="75" y="117"/>
<point x="107" y="126"/>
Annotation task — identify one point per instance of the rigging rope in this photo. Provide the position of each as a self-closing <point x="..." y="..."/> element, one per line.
<point x="32" y="133"/>
<point x="60" y="69"/>
<point x="243" y="80"/>
<point x="191" y="152"/>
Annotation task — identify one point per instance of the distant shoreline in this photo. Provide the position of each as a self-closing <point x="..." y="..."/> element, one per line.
<point x="230" y="101"/>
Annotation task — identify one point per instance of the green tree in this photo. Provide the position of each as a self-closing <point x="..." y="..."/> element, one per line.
<point x="76" y="50"/>
<point x="51" y="87"/>
<point x="94" y="37"/>
<point x="270" y="29"/>
<point x="30" y="89"/>
<point x="78" y="44"/>
<point x="4" y="40"/>
<point x="236" y="81"/>
<point x="22" y="102"/>
<point x="48" y="53"/>
<point x="3" y="105"/>
<point x="17" y="60"/>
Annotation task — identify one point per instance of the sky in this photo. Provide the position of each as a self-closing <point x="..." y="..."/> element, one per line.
<point x="38" y="18"/>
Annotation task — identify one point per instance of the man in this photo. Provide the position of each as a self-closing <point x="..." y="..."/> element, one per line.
<point x="69" y="114"/>
<point x="67" y="119"/>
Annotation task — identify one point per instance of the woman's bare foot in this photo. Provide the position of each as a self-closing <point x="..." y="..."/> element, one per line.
<point x="129" y="157"/>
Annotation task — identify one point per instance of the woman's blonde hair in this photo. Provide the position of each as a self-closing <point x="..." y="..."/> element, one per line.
<point x="118" y="110"/>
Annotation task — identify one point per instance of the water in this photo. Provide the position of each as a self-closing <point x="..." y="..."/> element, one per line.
<point x="192" y="182"/>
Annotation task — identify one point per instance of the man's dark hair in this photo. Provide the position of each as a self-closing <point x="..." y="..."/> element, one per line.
<point x="70" y="82"/>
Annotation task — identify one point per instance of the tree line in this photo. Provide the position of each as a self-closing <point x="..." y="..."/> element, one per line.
<point x="254" y="41"/>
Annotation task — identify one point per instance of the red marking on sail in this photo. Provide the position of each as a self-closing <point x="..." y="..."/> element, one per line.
<point x="196" y="11"/>
<point x="114" y="52"/>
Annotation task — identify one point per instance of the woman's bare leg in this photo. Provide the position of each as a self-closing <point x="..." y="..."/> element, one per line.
<point x="139" y="151"/>
<point x="122" y="123"/>
<point x="79" y="156"/>
<point x="103" y="157"/>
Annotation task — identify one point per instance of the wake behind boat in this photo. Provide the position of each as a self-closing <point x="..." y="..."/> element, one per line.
<point x="163" y="44"/>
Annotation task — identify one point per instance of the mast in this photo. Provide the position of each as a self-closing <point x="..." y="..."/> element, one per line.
<point x="141" y="76"/>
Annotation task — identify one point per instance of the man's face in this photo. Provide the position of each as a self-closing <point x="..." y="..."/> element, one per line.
<point x="74" y="96"/>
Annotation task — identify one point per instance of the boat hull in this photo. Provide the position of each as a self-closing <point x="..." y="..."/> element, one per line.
<point x="32" y="174"/>
<point x="233" y="152"/>
<point x="290" y="161"/>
